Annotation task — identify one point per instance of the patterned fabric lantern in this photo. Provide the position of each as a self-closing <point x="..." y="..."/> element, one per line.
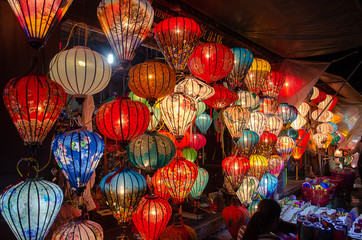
<point x="320" y="139"/>
<point x="315" y="93"/>
<point x="178" y="232"/>
<point x="189" y="154"/>
<point x="177" y="38"/>
<point x="197" y="141"/>
<point x="159" y="187"/>
<point x="126" y="24"/>
<point x="155" y="118"/>
<point x="34" y="103"/>
<point x="273" y="84"/>
<point x="285" y="146"/>
<point x="257" y="122"/>
<point x="325" y="128"/>
<point x="39" y="18"/>
<point x="151" y="151"/>
<point x="194" y="88"/>
<point x="247" y="190"/>
<point x="249" y="100"/>
<point x="290" y="132"/>
<point x="298" y="152"/>
<point x="266" y="143"/>
<point x="80" y="71"/>
<point x="303" y="109"/>
<point x="152" y="216"/>
<point x="179" y="177"/>
<point x="236" y="119"/>
<point x="268" y="184"/>
<point x="235" y="217"/>
<point x="201" y="107"/>
<point x="253" y="207"/>
<point x="276" y="165"/>
<point x="287" y="113"/>
<point x="235" y="167"/>
<point x="325" y="116"/>
<point x="222" y="98"/>
<point x="123" y="189"/>
<point x="30" y="207"/>
<point x="336" y="118"/>
<point x="268" y="106"/>
<point x="243" y="59"/>
<point x="258" y="166"/>
<point x="247" y="142"/>
<point x="77" y="154"/>
<point x="203" y="122"/>
<point x="299" y="122"/>
<point x="274" y="125"/>
<point x="86" y="229"/>
<point x="123" y="119"/>
<point x="320" y="98"/>
<point x="200" y="183"/>
<point x="211" y="62"/>
<point x="257" y="74"/>
<point x="178" y="112"/>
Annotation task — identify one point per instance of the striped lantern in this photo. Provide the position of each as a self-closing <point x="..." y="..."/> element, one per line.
<point x="320" y="139"/>
<point x="159" y="187"/>
<point x="287" y="113"/>
<point x="266" y="143"/>
<point x="222" y="98"/>
<point x="200" y="183"/>
<point x="247" y="143"/>
<point x="325" y="128"/>
<point x="243" y="59"/>
<point x="273" y="84"/>
<point x="189" y="154"/>
<point x="236" y="119"/>
<point x="268" y="106"/>
<point x="247" y="190"/>
<point x="303" y="109"/>
<point x="203" y="122"/>
<point x="249" y="100"/>
<point x="194" y="88"/>
<point x="258" y="166"/>
<point x="285" y="146"/>
<point x="335" y="126"/>
<point x="276" y="165"/>
<point x="197" y="141"/>
<point x="299" y="122"/>
<point x="267" y="186"/>
<point x="320" y="98"/>
<point x="257" y="74"/>
<point x="274" y="125"/>
<point x="324" y="116"/>
<point x="257" y="122"/>
<point x="235" y="167"/>
<point x="315" y="93"/>
<point x="87" y="230"/>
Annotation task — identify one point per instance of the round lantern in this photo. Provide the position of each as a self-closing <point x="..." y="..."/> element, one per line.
<point x="177" y="38"/>
<point x="336" y="118"/>
<point x="126" y="24"/>
<point x="178" y="112"/>
<point x="257" y="122"/>
<point x="155" y="114"/>
<point x="201" y="107"/>
<point x="247" y="190"/>
<point x="320" y="98"/>
<point x="80" y="71"/>
<point x="151" y="216"/>
<point x="335" y="126"/>
<point x="290" y="132"/>
<point x="325" y="116"/>
<point x="268" y="184"/>
<point x="298" y="152"/>
<point x="285" y="146"/>
<point x="258" y="166"/>
<point x="211" y="62"/>
<point x="178" y="232"/>
<point x="151" y="151"/>
<point x="235" y="167"/>
<point x="236" y="119"/>
<point x="247" y="142"/>
<point x="222" y="98"/>
<point x="273" y="84"/>
<point x="194" y="88"/>
<point x="249" y="100"/>
<point x="268" y="106"/>
<point x="320" y="139"/>
<point x="179" y="177"/>
<point x="151" y="80"/>
<point x="314" y="93"/>
<point x="203" y="122"/>
<point x="274" y="124"/>
<point x="303" y="109"/>
<point x="197" y="141"/>
<point x="200" y="183"/>
<point x="243" y="59"/>
<point x="266" y="143"/>
<point x="158" y="185"/>
<point x="189" y="154"/>
<point x="253" y="207"/>
<point x="235" y="217"/>
<point x="34" y="103"/>
<point x="276" y="165"/>
<point x="78" y="153"/>
<point x="123" y="189"/>
<point x="30" y="207"/>
<point x="287" y="113"/>
<point x="123" y="119"/>
<point x="299" y="122"/>
<point x="328" y="103"/>
<point x="79" y="230"/>
<point x="257" y="74"/>
<point x="325" y="128"/>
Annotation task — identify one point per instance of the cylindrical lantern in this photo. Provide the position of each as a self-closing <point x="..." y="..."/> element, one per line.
<point x="320" y="98"/>
<point x="30" y="207"/>
<point x="194" y="88"/>
<point x="249" y="100"/>
<point x="287" y="113"/>
<point x="285" y="146"/>
<point x="257" y="122"/>
<point x="235" y="167"/>
<point x="189" y="154"/>
<point x="178" y="232"/>
<point x="299" y="122"/>
<point x="274" y="124"/>
<point x="247" y="142"/>
<point x="298" y="151"/>
<point x="303" y="109"/>
<point x="268" y="106"/>
<point x="253" y="207"/>
<point x="87" y="230"/>
<point x="197" y="141"/>
<point x="276" y="165"/>
<point x="258" y="72"/>
<point x="211" y="62"/>
<point x="266" y="143"/>
<point x="325" y="116"/>
<point x="290" y="132"/>
<point x="236" y="119"/>
<point x="247" y="190"/>
<point x="203" y="122"/>
<point x="222" y="98"/>
<point x="243" y="59"/>
<point x="325" y="128"/>
<point x="201" y="107"/>
<point x="200" y="183"/>
<point x="267" y="186"/>
<point x="273" y="84"/>
<point x="320" y="139"/>
<point x="258" y="166"/>
<point x="235" y="217"/>
<point x="159" y="187"/>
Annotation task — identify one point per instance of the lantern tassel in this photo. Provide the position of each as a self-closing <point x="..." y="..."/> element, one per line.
<point x="114" y="174"/>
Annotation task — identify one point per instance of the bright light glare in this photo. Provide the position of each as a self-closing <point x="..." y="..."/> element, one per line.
<point x="110" y="58"/>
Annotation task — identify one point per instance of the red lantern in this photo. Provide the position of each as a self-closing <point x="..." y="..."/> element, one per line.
<point x="268" y="106"/>
<point x="185" y="141"/>
<point x="235" y="167"/>
<point x="273" y="84"/>
<point x="266" y="143"/>
<point x="211" y="62"/>
<point x="123" y="119"/>
<point x="235" y="217"/>
<point x="34" y="103"/>
<point x="178" y="232"/>
<point x="321" y="97"/>
<point x="197" y="141"/>
<point x="298" y="152"/>
<point x="159" y="187"/>
<point x="223" y="97"/>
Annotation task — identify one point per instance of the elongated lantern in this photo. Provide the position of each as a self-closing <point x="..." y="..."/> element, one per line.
<point x="126" y="24"/>
<point x="257" y="122"/>
<point x="235" y="216"/>
<point x="268" y="106"/>
<point x="235" y="167"/>
<point x="195" y="88"/>
<point x="257" y="74"/>
<point x="247" y="143"/>
<point x="197" y="141"/>
<point x="274" y="125"/>
<point x="325" y="128"/>
<point x="243" y="59"/>
<point x="200" y="183"/>
<point x="285" y="146"/>
<point x="299" y="122"/>
<point x="266" y="143"/>
<point x="258" y="166"/>
<point x="247" y="190"/>
<point x="287" y="113"/>
<point x="314" y="93"/>
<point x="189" y="154"/>
<point x="159" y="186"/>
<point x="236" y="119"/>
<point x="298" y="152"/>
<point x="267" y="186"/>
<point x="203" y="122"/>
<point x="276" y="165"/>
<point x="303" y="109"/>
<point x="85" y="229"/>
<point x="249" y="100"/>
<point x="222" y="98"/>
<point x="273" y="84"/>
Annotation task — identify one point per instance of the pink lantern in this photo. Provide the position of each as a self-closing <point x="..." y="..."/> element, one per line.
<point x="197" y="141"/>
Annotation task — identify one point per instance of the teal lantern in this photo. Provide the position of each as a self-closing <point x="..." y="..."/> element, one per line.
<point x="336" y="138"/>
<point x="267" y="185"/>
<point x="200" y="183"/>
<point x="247" y="142"/>
<point x="243" y="59"/>
<point x="290" y="132"/>
<point x="189" y="154"/>
<point x="151" y="151"/>
<point x="287" y="113"/>
<point x="335" y="127"/>
<point x="253" y="207"/>
<point x="203" y="122"/>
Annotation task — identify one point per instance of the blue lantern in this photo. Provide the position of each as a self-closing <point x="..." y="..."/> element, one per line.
<point x="290" y="132"/>
<point x="30" y="207"/>
<point x="78" y="153"/>
<point x="335" y="127"/>
<point x="253" y="207"/>
<point x="247" y="142"/>
<point x="268" y="184"/>
<point x="243" y="59"/>
<point x="203" y="122"/>
<point x="287" y="113"/>
<point x="151" y="151"/>
<point x="200" y="183"/>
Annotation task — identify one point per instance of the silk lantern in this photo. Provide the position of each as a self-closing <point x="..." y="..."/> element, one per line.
<point x="236" y="119"/>
<point x="328" y="141"/>
<point x="276" y="165"/>
<point x="343" y="137"/>
<point x="257" y="74"/>
<point x="39" y="18"/>
<point x="249" y="100"/>
<point x="155" y="114"/>
<point x="274" y="125"/>
<point x="266" y="143"/>
<point x="178" y="232"/>
<point x="320" y="139"/>
<point x="315" y="93"/>
<point x="258" y="166"/>
<point x="126" y="24"/>
<point x="268" y="106"/>
<point x="303" y="109"/>
<point x="85" y="229"/>
<point x="78" y="153"/>
<point x="201" y="107"/>
<point x="197" y="141"/>
<point x="179" y="177"/>
<point x="273" y="84"/>
<point x="134" y="97"/>
<point x="235" y="216"/>
<point x="222" y="98"/>
<point x="211" y="62"/>
<point x="30" y="207"/>
<point x="200" y="183"/>
<point x="257" y="122"/>
<point x="287" y="113"/>
<point x="267" y="186"/>
<point x="325" y="128"/>
<point x="290" y="132"/>
<point x="248" y="188"/>
<point x="243" y="59"/>
<point x="203" y="122"/>
<point x="158" y="185"/>
<point x="320" y="98"/>
<point x="299" y="122"/>
<point x="34" y="103"/>
<point x="298" y="151"/>
<point x="177" y="37"/>
<point x="247" y="143"/>
<point x="253" y="207"/>
<point x="235" y="167"/>
<point x="323" y="116"/>
<point x="189" y="154"/>
<point x="151" y="216"/>
<point x="285" y="146"/>
<point x="194" y="88"/>
<point x="180" y="144"/>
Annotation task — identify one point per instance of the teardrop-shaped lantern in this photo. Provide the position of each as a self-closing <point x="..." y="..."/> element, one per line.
<point x="325" y="116"/>
<point x="258" y="166"/>
<point x="285" y="146"/>
<point x="268" y="184"/>
<point x="249" y="100"/>
<point x="177" y="38"/>
<point x="268" y="106"/>
<point x="151" y="151"/>
<point x="276" y="165"/>
<point x="247" y="142"/>
<point x="189" y="154"/>
<point x="320" y="98"/>
<point x="78" y="153"/>
<point x="320" y="139"/>
<point x="257" y="122"/>
<point x="253" y="207"/>
<point x="243" y="59"/>
<point x="155" y="118"/>
<point x="235" y="167"/>
<point x="299" y="122"/>
<point x="30" y="207"/>
<point x="273" y="84"/>
<point x="303" y="109"/>
<point x="266" y="143"/>
<point x="211" y="62"/>
<point x="247" y="190"/>
<point x="274" y="125"/>
<point x="34" y="103"/>
<point x="201" y="107"/>
<point x="194" y="88"/>
<point x="197" y="141"/>
<point x="236" y="119"/>
<point x="85" y="229"/>
<point x="257" y="74"/>
<point x="287" y="113"/>
<point x="126" y="24"/>
<point x="222" y="98"/>
<point x="235" y="216"/>
<point x="159" y="187"/>
<point x="203" y="122"/>
<point x="298" y="152"/>
<point x="200" y="183"/>
<point x="152" y="216"/>
<point x="290" y="132"/>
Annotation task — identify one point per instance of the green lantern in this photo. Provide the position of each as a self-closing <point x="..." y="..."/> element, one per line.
<point x="200" y="183"/>
<point x="189" y="153"/>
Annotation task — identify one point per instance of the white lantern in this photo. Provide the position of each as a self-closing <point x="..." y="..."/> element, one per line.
<point x="87" y="230"/>
<point x="247" y="190"/>
<point x="248" y="100"/>
<point x="236" y="119"/>
<point x="327" y="102"/>
<point x="274" y="125"/>
<point x="299" y="122"/>
<point x="315" y="93"/>
<point x="326" y="116"/>
<point x="325" y="128"/>
<point x="194" y="88"/>
<point x="257" y="122"/>
<point x="303" y="109"/>
<point x="320" y="139"/>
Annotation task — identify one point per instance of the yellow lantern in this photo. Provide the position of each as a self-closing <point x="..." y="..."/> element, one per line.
<point x="236" y="119"/>
<point x="257" y="74"/>
<point x="336" y="118"/>
<point x="328" y="141"/>
<point x="258" y="166"/>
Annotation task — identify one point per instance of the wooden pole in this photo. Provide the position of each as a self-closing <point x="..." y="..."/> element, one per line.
<point x="296" y="172"/>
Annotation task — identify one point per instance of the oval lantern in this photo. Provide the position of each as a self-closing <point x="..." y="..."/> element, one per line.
<point x="235" y="217"/>
<point x="34" y="103"/>
<point x="299" y="122"/>
<point x="266" y="143"/>
<point x="151" y="216"/>
<point x="177" y="37"/>
<point x="267" y="186"/>
<point x="126" y="24"/>
<point x="80" y="71"/>
<point x="257" y="122"/>
<point x="258" y="166"/>
<point x="247" y="143"/>
<point x="268" y="106"/>
<point x="179" y="177"/>
<point x="178" y="232"/>
<point x="158" y="185"/>
<point x="303" y="109"/>
<point x="325" y="128"/>
<point x="236" y="119"/>
<point x="200" y="183"/>
<point x="78" y="153"/>
<point x="290" y="132"/>
<point x="194" y="88"/>
<point x="151" y="151"/>
<point x="285" y="146"/>
<point x="201" y="107"/>
<point x="222" y="98"/>
<point x="197" y="141"/>
<point x="243" y="59"/>
<point x="315" y="93"/>
<point x="325" y="116"/>
<point x="211" y="62"/>
<point x="79" y="230"/>
<point x="273" y="84"/>
<point x="257" y="74"/>
<point x="320" y="139"/>
<point x="320" y="98"/>
<point x="189" y="154"/>
<point x="155" y="114"/>
<point x="276" y="165"/>
<point x="249" y="100"/>
<point x="274" y="125"/>
<point x="235" y="167"/>
<point x="253" y="207"/>
<point x="203" y="122"/>
<point x="298" y="152"/>
<point x="30" y="207"/>
<point x="247" y="190"/>
<point x="287" y="113"/>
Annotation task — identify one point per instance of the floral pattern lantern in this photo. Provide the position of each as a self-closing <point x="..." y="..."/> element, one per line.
<point x="194" y="88"/>
<point x="325" y="116"/>
<point x="235" y="216"/>
<point x="298" y="151"/>
<point x="274" y="125"/>
<point x="290" y="132"/>
<point x="86" y="229"/>
<point x="189" y="154"/>
<point x="126" y="24"/>
<point x="197" y="141"/>
<point x="236" y="119"/>
<point x="276" y="165"/>
<point x="247" y="190"/>
<point x="258" y="166"/>
<point x="211" y="62"/>
<point x="222" y="98"/>
<point x="243" y="59"/>
<point x="257" y="122"/>
<point x="177" y="37"/>
<point x="273" y="84"/>
<point x="320" y="139"/>
<point x="299" y="122"/>
<point x="325" y="128"/>
<point x="30" y="207"/>
<point x="253" y="207"/>
<point x="266" y="143"/>
<point x="200" y="183"/>
<point x="257" y="74"/>
<point x="303" y="109"/>
<point x="235" y="167"/>
<point x="268" y="106"/>
<point x="267" y="186"/>
<point x="287" y="113"/>
<point x="78" y="153"/>
<point x="203" y="122"/>
<point x="247" y="143"/>
<point x="285" y="146"/>
<point x="249" y="100"/>
<point x="34" y="103"/>
<point x="158" y="185"/>
<point x="152" y="216"/>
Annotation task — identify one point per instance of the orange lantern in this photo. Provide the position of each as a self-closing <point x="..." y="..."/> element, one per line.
<point x="158" y="185"/>
<point x="235" y="167"/>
